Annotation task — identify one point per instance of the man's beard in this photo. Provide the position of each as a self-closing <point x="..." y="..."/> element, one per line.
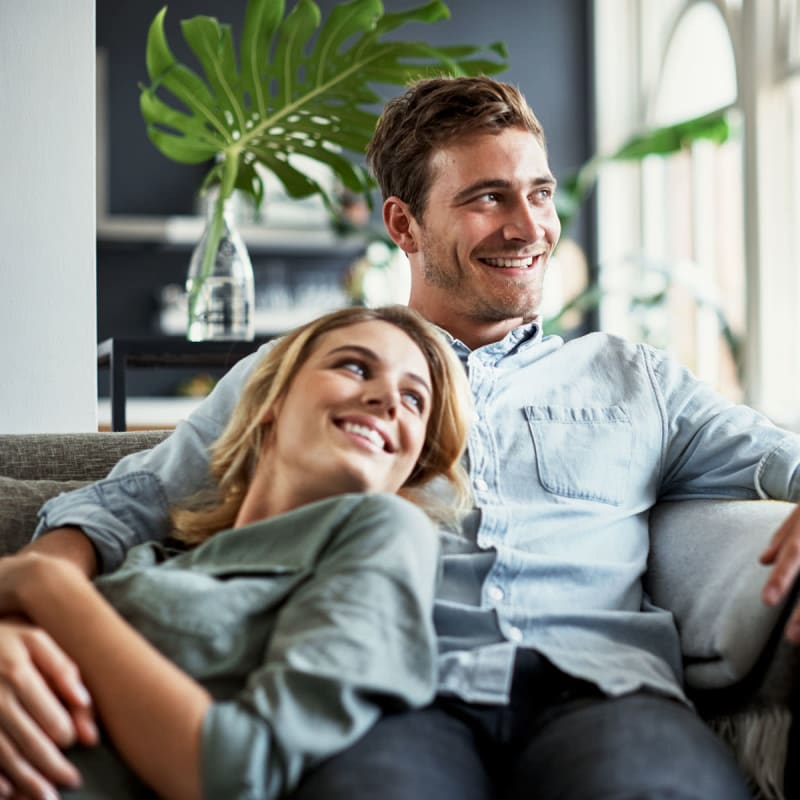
<point x="517" y="300"/>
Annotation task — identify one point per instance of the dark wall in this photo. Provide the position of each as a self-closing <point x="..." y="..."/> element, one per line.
<point x="549" y="57"/>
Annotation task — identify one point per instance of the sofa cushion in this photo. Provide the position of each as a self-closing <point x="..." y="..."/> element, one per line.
<point x="20" y="500"/>
<point x="704" y="568"/>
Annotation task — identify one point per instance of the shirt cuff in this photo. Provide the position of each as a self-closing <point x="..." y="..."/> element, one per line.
<point x="778" y="472"/>
<point x="238" y="757"/>
<point x="115" y="514"/>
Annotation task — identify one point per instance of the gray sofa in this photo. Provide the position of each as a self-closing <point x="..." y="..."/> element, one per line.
<point x="704" y="568"/>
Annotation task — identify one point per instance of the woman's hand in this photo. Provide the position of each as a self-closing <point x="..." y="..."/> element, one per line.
<point x="43" y="707"/>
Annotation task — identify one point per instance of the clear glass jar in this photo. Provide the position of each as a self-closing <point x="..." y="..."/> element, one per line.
<point x="219" y="287"/>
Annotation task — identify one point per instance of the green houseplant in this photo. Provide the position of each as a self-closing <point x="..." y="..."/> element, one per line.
<point x="297" y="85"/>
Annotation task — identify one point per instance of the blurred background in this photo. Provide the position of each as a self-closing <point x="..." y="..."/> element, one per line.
<point x="673" y="127"/>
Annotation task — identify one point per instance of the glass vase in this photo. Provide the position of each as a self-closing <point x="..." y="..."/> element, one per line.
<point x="219" y="286"/>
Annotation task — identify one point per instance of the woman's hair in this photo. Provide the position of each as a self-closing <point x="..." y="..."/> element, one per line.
<point x="236" y="451"/>
<point x="432" y="113"/>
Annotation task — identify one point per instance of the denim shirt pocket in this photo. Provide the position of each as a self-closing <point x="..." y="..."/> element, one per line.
<point x="582" y="453"/>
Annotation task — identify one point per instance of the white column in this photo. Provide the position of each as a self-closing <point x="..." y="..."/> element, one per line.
<point x="47" y="216"/>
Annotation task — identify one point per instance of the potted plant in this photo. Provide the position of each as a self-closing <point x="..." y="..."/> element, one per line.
<point x="296" y="86"/>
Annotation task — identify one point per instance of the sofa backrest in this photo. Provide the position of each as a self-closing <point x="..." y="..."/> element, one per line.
<point x="36" y="467"/>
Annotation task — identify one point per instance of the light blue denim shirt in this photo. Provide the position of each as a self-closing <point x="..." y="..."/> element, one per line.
<point x="574" y="443"/>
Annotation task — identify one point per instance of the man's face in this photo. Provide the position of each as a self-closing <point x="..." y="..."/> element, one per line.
<point x="479" y="253"/>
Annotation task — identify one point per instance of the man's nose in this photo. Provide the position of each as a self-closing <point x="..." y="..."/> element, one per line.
<point x="524" y="223"/>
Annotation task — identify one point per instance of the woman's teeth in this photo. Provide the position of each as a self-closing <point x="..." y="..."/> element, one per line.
<point x="362" y="430"/>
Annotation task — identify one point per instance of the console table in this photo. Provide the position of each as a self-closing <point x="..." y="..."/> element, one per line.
<point x="117" y="354"/>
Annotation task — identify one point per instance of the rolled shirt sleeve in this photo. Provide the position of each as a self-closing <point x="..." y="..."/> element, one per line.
<point x="132" y="505"/>
<point x="778" y="472"/>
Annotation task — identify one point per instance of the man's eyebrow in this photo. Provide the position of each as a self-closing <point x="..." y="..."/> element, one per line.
<point x="487" y="184"/>
<point x="371" y="355"/>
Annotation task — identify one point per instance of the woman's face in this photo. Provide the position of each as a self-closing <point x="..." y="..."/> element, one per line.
<point x="354" y="417"/>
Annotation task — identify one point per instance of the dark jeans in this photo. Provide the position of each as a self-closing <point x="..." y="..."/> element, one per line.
<point x="558" y="739"/>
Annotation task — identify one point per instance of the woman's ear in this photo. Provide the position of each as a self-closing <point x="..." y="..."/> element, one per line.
<point x="271" y="414"/>
<point x="400" y="224"/>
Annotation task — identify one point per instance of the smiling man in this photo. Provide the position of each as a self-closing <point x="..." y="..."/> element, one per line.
<point x="558" y="678"/>
<point x="488" y="230"/>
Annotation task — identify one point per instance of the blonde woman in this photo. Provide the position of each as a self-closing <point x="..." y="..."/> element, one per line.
<point x="299" y="608"/>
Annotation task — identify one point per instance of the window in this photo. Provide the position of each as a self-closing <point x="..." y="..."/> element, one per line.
<point x="699" y="251"/>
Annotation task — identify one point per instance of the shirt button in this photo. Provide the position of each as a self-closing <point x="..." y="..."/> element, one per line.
<point x="515" y="634"/>
<point x="496" y="593"/>
<point x="481" y="485"/>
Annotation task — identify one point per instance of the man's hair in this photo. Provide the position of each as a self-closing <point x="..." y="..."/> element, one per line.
<point x="235" y="453"/>
<point x="431" y="114"/>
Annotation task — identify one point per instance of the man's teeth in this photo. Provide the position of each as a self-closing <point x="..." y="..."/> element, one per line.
<point x="518" y="263"/>
<point x="363" y="430"/>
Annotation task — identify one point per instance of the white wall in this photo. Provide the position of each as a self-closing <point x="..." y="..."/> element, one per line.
<point x="48" y="369"/>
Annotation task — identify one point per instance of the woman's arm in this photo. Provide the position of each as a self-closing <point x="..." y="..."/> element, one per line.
<point x="152" y="711"/>
<point x="44" y="704"/>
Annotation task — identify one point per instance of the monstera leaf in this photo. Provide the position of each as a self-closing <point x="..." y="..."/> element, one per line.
<point x="296" y="87"/>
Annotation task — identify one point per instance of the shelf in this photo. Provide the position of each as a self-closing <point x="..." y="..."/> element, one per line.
<point x="185" y="231"/>
<point x="149" y="413"/>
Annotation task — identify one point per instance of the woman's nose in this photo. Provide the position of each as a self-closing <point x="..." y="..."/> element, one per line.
<point x="383" y="395"/>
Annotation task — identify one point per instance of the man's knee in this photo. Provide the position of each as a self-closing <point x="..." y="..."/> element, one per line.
<point x="638" y="747"/>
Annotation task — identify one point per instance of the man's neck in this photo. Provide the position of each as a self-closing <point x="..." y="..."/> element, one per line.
<point x="476" y="334"/>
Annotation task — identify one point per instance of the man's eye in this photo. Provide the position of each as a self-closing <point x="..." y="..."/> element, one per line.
<point x="544" y="194"/>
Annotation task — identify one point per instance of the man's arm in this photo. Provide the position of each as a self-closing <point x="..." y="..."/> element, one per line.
<point x="133" y="503"/>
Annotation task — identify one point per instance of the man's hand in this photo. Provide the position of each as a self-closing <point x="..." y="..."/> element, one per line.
<point x="44" y="706"/>
<point x="784" y="553"/>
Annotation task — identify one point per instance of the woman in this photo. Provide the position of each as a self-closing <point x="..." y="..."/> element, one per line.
<point x="301" y="608"/>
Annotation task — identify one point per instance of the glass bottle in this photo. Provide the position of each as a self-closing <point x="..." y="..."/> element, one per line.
<point x="219" y="287"/>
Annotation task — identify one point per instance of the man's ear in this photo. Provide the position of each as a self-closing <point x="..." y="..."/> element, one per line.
<point x="400" y="224"/>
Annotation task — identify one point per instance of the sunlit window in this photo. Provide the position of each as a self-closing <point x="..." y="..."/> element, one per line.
<point x="700" y="250"/>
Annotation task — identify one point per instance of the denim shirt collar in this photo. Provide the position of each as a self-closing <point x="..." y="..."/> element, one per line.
<point x="516" y="340"/>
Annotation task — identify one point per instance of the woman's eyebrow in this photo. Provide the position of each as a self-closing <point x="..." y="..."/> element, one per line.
<point x="371" y="355"/>
<point x="364" y="351"/>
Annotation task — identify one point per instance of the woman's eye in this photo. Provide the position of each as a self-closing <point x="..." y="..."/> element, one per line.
<point x="356" y="367"/>
<point x="415" y="400"/>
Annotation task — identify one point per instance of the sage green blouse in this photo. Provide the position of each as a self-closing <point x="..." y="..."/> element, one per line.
<point x="304" y="628"/>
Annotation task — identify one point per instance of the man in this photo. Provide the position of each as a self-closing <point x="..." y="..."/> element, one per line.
<point x="558" y="678"/>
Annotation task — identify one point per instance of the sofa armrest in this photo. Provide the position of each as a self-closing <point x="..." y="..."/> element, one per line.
<point x="739" y="671"/>
<point x="704" y="568"/>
